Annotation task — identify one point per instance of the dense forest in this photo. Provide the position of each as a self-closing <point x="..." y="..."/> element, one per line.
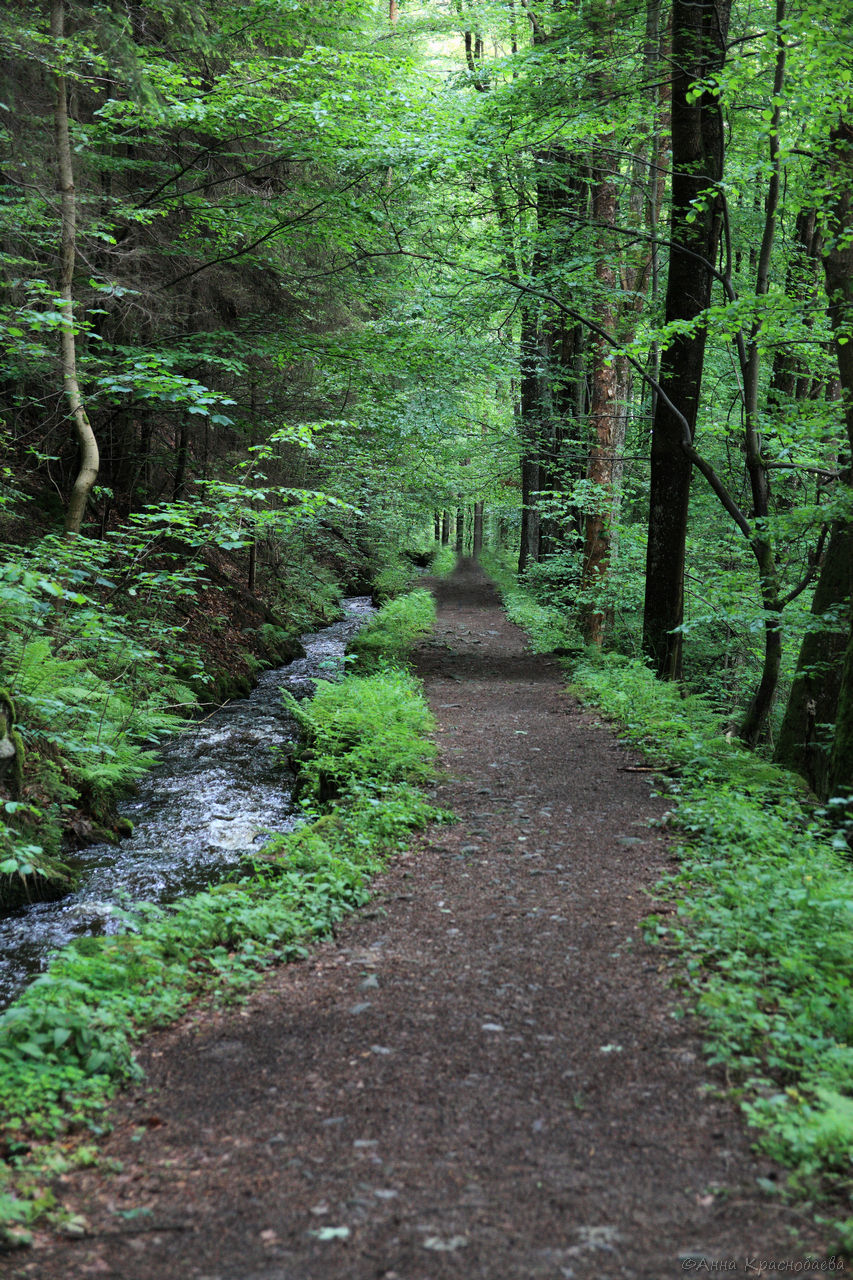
<point x="297" y="296"/>
<point x="295" y="286"/>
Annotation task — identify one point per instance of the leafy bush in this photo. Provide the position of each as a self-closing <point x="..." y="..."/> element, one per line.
<point x="93" y="690"/>
<point x="364" y="732"/>
<point x="394" y="630"/>
<point x="548" y="626"/>
<point x="395" y="577"/>
<point x="443" y="562"/>
<point x="27" y="873"/>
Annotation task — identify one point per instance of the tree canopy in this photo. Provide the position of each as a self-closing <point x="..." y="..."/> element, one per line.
<point x="574" y="280"/>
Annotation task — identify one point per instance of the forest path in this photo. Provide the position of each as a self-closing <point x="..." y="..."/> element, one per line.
<point x="480" y="1077"/>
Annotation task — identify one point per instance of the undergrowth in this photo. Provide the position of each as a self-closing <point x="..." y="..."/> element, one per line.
<point x="392" y="632"/>
<point x="108" y="645"/>
<point x="90" y="692"/>
<point x="443" y="562"/>
<point x="67" y="1042"/>
<point x="760" y="916"/>
<point x="549" y="630"/>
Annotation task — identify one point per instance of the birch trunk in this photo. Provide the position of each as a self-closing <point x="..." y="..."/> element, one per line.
<point x="89" y="458"/>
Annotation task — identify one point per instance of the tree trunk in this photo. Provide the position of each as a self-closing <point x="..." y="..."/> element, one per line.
<point x="181" y="454"/>
<point x="622" y="277"/>
<point x="445" y="529"/>
<point x="529" y="414"/>
<point x="603" y="406"/>
<point x="89" y="459"/>
<point x="253" y="564"/>
<point x="460" y="530"/>
<point x="478" y="530"/>
<point x="762" y="541"/>
<point x="805" y="738"/>
<point x="698" y="50"/>
<point x="790" y="378"/>
<point x="838" y="269"/>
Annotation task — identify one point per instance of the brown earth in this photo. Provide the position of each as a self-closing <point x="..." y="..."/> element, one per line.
<point x="481" y="1077"/>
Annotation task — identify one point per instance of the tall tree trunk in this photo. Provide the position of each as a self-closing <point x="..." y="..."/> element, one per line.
<point x="478" y="530"/>
<point x="805" y="738"/>
<point x="838" y="269"/>
<point x="181" y="455"/>
<point x="762" y="541"/>
<point x="89" y="459"/>
<point x="460" y="529"/>
<point x="544" y="375"/>
<point x="445" y="529"/>
<point x="604" y="398"/>
<point x="622" y="277"/>
<point x="699" y="29"/>
<point x="253" y="564"/>
<point x="530" y="424"/>
<point x="790" y="380"/>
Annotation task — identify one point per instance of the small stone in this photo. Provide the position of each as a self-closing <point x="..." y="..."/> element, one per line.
<point x="445" y="1246"/>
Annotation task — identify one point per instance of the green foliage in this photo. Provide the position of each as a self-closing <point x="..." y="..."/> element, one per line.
<point x="763" y="917"/>
<point x="95" y="688"/>
<point x="303" y="592"/>
<point x="443" y="562"/>
<point x="27" y="873"/>
<point x="395" y="577"/>
<point x="97" y="723"/>
<point x="394" y="630"/>
<point x="363" y="733"/>
<point x="548" y="626"/>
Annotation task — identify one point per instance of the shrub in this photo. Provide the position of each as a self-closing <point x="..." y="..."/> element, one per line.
<point x="394" y="630"/>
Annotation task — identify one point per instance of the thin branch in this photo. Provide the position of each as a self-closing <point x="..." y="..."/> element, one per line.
<point x="810" y="574"/>
<point x="241" y="253"/>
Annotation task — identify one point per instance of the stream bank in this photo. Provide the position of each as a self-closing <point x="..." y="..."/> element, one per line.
<point x="217" y="793"/>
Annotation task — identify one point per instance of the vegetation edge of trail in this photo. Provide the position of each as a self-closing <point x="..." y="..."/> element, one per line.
<point x="756" y="921"/>
<point x="66" y="1045"/>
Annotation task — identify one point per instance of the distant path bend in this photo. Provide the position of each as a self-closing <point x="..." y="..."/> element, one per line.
<point x="481" y="1076"/>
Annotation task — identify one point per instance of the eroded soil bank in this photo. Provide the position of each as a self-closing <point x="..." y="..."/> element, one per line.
<point x="480" y="1076"/>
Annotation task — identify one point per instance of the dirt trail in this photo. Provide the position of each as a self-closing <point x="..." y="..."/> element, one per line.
<point x="480" y="1077"/>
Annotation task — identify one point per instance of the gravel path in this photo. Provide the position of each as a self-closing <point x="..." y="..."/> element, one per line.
<point x="480" y="1077"/>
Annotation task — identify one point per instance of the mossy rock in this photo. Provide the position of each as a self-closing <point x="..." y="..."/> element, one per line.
<point x="278" y="645"/>
<point x="51" y="881"/>
<point x="226" y="686"/>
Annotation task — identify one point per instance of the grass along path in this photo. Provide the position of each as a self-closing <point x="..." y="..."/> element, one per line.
<point x="480" y="1076"/>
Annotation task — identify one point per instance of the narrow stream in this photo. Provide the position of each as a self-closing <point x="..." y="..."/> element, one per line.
<point x="217" y="793"/>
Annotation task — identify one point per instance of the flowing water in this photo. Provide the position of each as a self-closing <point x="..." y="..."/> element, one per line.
<point x="218" y="791"/>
